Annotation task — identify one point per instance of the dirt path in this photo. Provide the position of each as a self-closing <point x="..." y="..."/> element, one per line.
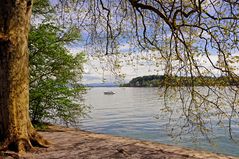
<point x="77" y="144"/>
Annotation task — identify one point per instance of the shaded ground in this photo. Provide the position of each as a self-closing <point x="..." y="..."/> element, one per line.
<point x="77" y="144"/>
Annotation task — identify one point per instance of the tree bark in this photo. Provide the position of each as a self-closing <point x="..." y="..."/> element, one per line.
<point x="16" y="130"/>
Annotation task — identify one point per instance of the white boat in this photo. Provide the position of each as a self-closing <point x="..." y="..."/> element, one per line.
<point x="109" y="93"/>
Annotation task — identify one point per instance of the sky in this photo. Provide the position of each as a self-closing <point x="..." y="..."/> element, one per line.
<point x="96" y="72"/>
<point x="102" y="69"/>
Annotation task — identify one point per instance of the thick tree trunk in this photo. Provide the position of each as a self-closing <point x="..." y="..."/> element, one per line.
<point x="16" y="130"/>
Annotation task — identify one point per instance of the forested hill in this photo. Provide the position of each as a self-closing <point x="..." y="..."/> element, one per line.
<point x="162" y="80"/>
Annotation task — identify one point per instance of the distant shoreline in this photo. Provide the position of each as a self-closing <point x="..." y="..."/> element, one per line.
<point x="175" y="81"/>
<point x="101" y="85"/>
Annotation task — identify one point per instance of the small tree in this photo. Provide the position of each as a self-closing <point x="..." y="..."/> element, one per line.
<point x="55" y="93"/>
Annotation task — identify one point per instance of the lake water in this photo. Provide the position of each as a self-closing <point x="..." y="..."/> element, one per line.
<point x="133" y="112"/>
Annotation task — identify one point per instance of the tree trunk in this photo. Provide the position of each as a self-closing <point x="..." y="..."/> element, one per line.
<point x="16" y="130"/>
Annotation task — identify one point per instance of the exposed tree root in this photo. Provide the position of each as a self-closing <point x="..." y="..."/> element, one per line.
<point x="22" y="145"/>
<point x="37" y="140"/>
<point x="11" y="154"/>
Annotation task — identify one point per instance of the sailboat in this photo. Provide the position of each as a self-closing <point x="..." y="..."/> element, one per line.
<point x="109" y="93"/>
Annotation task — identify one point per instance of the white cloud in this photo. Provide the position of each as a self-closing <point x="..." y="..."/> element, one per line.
<point x="105" y="68"/>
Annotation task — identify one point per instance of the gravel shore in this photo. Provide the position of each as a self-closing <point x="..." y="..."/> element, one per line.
<point x="68" y="143"/>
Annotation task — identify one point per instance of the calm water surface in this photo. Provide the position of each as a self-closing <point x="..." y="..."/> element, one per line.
<point x="131" y="112"/>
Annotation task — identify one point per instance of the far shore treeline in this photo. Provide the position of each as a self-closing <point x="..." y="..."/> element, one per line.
<point x="165" y="80"/>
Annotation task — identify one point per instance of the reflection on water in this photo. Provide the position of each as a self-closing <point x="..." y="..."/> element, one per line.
<point x="132" y="112"/>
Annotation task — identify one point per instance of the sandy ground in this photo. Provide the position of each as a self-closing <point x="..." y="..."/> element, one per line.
<point x="77" y="144"/>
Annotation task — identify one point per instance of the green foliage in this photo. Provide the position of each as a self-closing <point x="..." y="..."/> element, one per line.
<point x="55" y="94"/>
<point x="40" y="126"/>
<point x="41" y="7"/>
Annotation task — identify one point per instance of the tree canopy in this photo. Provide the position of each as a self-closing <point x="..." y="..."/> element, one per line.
<point x="191" y="38"/>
